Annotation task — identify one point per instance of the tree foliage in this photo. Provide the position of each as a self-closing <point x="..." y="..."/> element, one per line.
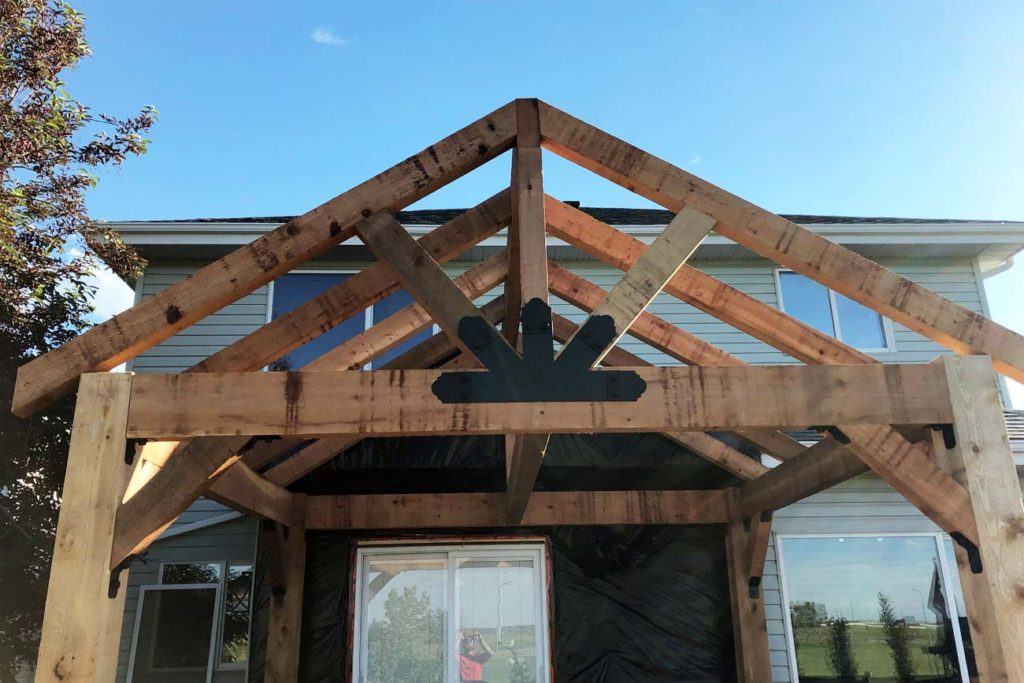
<point x="897" y="637"/>
<point x="51" y="148"/>
<point x="408" y="644"/>
<point x="840" y="649"/>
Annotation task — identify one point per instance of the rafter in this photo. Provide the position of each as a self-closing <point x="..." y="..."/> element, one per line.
<point x="152" y="320"/>
<point x="906" y="466"/>
<point x="784" y="242"/>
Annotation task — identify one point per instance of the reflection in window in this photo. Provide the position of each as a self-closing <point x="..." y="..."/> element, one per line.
<point x="831" y="312"/>
<point x="234" y="648"/>
<point x="869" y="608"/>
<point x="497" y="621"/>
<point x="178" y="573"/>
<point x="174" y="634"/>
<point x="450" y="614"/>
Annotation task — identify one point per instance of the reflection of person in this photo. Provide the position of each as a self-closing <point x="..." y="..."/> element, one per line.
<point x="473" y="654"/>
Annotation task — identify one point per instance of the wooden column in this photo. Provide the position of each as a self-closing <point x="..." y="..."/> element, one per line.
<point x="750" y="632"/>
<point x="983" y="463"/>
<point x="82" y="626"/>
<point x="285" y="626"/>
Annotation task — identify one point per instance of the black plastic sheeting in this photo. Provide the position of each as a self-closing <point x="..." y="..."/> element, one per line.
<point x="628" y="604"/>
<point x="636" y="603"/>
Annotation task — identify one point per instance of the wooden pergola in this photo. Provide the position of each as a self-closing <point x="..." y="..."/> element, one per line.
<point x="934" y="432"/>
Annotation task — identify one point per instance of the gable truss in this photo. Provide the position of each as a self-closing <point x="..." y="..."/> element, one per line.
<point x="189" y="453"/>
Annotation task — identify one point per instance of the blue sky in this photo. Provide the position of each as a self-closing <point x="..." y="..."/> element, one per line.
<point x="868" y="108"/>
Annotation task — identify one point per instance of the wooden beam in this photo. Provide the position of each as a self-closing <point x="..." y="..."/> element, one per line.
<point x="978" y="598"/>
<point x="421" y="276"/>
<point x="149" y="322"/>
<point x="170" y="489"/>
<point x="671" y="340"/>
<point x="700" y="290"/>
<point x="81" y="631"/>
<point x="703" y="445"/>
<point x="365" y="288"/>
<point x="750" y="630"/>
<point x="528" y="279"/>
<point x="433" y="510"/>
<point x="983" y="461"/>
<point x="284" y="628"/>
<point x="244" y="490"/>
<point x="784" y="242"/>
<point x="354" y="353"/>
<point x="759" y="536"/>
<point x="433" y="352"/>
<point x="389" y="403"/>
<point x="527" y="250"/>
<point x="819" y="467"/>
<point x="908" y="467"/>
<point x="652" y="271"/>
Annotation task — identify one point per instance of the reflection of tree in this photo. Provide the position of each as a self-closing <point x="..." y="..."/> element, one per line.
<point x="840" y="649"/>
<point x="408" y="644"/>
<point x="897" y="637"/>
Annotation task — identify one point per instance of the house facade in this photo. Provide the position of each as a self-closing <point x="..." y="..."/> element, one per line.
<point x="851" y="555"/>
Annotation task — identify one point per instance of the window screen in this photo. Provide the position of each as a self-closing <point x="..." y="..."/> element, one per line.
<point x="174" y="634"/>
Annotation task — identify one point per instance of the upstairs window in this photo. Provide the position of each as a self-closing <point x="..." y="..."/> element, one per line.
<point x="833" y="313"/>
<point x="293" y="290"/>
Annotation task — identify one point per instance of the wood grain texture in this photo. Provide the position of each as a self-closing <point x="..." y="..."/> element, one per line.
<point x="149" y="322"/>
<point x="750" y="630"/>
<point x="983" y="461"/>
<point x="784" y="242"/>
<point x="81" y="625"/>
<point x="434" y="510"/>
<point x="284" y="627"/>
<point x="393" y="403"/>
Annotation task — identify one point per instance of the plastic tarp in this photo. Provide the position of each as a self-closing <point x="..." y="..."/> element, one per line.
<point x="627" y="603"/>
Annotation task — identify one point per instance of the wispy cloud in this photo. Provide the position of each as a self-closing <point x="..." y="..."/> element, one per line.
<point x="326" y="36"/>
<point x="696" y="159"/>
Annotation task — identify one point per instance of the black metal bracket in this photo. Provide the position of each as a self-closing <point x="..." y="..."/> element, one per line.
<point x="129" y="450"/>
<point x="833" y="431"/>
<point x="538" y="375"/>
<point x="973" y="554"/>
<point x="267" y="438"/>
<point x="948" y="435"/>
<point x="754" y="587"/>
<point x="115" y="574"/>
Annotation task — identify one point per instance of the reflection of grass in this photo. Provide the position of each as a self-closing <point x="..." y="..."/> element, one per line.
<point x="499" y="668"/>
<point x="869" y="647"/>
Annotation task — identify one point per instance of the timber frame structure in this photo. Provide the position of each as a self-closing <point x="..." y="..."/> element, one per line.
<point x="934" y="432"/>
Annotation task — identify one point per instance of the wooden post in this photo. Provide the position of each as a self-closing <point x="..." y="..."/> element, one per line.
<point x="983" y="463"/>
<point x="284" y="630"/>
<point x="82" y="626"/>
<point x="750" y="632"/>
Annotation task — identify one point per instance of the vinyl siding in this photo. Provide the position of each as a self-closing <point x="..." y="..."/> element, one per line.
<point x="865" y="505"/>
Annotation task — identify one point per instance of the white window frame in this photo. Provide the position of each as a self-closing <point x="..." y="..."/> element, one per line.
<point x="214" y="636"/>
<point x="218" y="616"/>
<point x="887" y="330"/>
<point x="528" y="549"/>
<point x="947" y="585"/>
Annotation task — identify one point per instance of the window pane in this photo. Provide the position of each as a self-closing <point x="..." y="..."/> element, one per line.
<point x="388" y="307"/>
<point x="860" y="326"/>
<point x="235" y="634"/>
<point x="497" y="628"/>
<point x="869" y="608"/>
<point x="290" y="291"/>
<point x="404" y="619"/>
<point x="190" y="572"/>
<point x="961" y="609"/>
<point x="174" y="634"/>
<point x="807" y="301"/>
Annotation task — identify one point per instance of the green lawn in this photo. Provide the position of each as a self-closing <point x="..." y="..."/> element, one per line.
<point x="499" y="668"/>
<point x="870" y="651"/>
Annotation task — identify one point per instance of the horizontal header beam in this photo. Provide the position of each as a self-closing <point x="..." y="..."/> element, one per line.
<point x="401" y="403"/>
<point x="441" y="510"/>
